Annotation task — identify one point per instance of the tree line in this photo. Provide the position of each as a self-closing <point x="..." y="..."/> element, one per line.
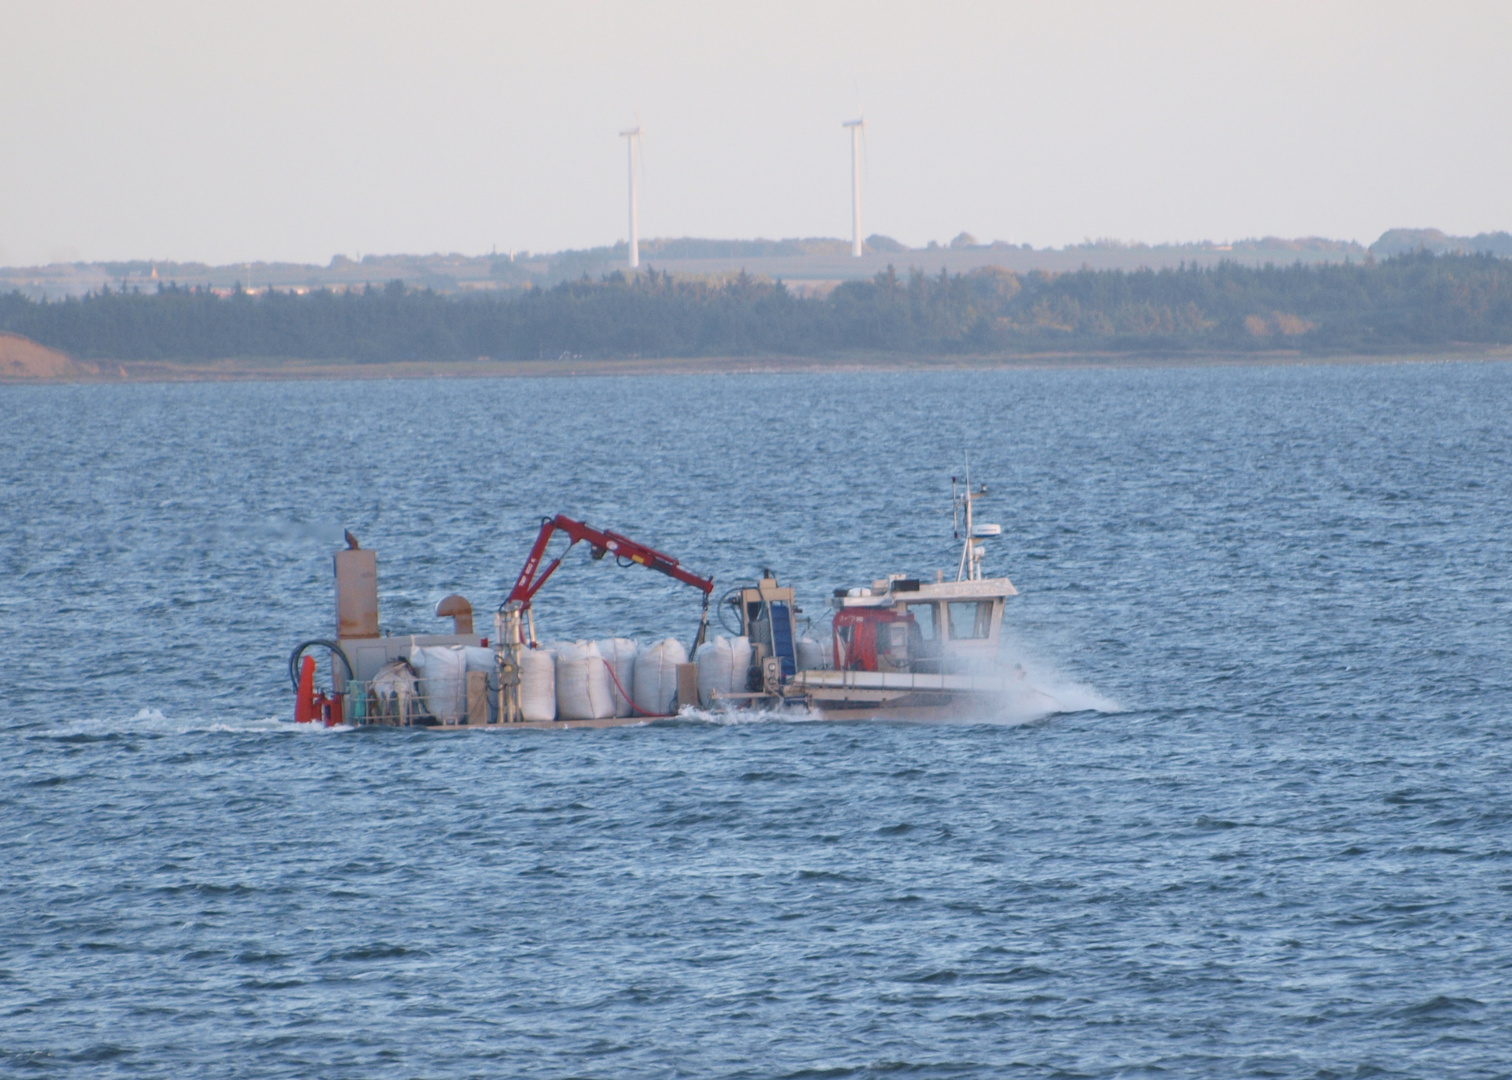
<point x="1408" y="301"/>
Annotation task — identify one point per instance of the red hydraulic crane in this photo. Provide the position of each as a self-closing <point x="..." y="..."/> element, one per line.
<point x="624" y="550"/>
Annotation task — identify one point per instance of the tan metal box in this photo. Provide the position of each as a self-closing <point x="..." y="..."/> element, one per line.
<point x="356" y="593"/>
<point x="687" y="685"/>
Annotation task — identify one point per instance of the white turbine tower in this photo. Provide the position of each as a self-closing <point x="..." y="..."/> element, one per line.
<point x="856" y="127"/>
<point x="632" y="139"/>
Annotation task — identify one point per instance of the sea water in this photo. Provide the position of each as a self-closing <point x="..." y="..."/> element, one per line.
<point x="1265" y="829"/>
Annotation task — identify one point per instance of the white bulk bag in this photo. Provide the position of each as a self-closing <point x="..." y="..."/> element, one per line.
<point x="722" y="666"/>
<point x="443" y="680"/>
<point x="480" y="659"/>
<point x="810" y="655"/>
<point x="656" y="676"/>
<point x="538" y="699"/>
<point x="584" y="691"/>
<point x="619" y="654"/>
<point x="740" y="662"/>
<point x="741" y="654"/>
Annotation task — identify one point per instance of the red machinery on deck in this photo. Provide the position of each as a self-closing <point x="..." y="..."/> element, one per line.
<point x="873" y="639"/>
<point x="625" y="551"/>
<point x="311" y="704"/>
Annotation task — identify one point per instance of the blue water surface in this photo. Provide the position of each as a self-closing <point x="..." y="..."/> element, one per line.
<point x="1269" y="835"/>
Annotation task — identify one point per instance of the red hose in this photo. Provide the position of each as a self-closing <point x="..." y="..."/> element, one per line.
<point x="631" y="700"/>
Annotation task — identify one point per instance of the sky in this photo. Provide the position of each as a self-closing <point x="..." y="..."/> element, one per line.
<point x="229" y="132"/>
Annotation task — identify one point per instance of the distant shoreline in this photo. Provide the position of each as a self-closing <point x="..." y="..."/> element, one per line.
<point x="294" y="370"/>
<point x="1423" y="305"/>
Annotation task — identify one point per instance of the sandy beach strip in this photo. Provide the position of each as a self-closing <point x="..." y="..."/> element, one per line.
<point x="255" y="369"/>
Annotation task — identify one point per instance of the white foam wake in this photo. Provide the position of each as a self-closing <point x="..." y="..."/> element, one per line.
<point x="156" y="722"/>
<point x="1038" y="689"/>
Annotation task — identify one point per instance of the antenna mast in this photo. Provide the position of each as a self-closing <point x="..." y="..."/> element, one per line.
<point x="973" y="546"/>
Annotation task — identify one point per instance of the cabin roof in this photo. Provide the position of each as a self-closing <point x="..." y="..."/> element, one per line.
<point x="985" y="589"/>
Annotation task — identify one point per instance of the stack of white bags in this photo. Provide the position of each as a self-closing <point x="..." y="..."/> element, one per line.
<point x="573" y="680"/>
<point x="592" y="680"/>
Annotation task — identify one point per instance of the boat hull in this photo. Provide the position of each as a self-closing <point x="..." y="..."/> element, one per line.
<point x="906" y="707"/>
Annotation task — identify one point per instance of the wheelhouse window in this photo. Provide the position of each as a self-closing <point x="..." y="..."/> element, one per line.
<point x="844" y="634"/>
<point x="924" y="619"/>
<point x="970" y="619"/>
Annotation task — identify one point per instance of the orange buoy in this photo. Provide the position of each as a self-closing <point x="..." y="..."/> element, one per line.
<point x="304" y="698"/>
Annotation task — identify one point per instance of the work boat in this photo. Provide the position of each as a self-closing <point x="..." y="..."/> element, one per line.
<point x="900" y="648"/>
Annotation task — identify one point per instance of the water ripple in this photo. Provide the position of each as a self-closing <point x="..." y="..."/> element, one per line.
<point x="1262" y="833"/>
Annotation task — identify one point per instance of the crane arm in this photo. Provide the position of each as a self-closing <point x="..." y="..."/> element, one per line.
<point x="602" y="543"/>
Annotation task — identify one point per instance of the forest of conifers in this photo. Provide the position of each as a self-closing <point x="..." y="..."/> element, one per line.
<point x="1399" y="303"/>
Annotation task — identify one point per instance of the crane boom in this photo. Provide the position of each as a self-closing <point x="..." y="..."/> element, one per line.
<point x="602" y="543"/>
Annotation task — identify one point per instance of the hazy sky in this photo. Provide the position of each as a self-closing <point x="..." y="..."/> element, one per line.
<point x="227" y="132"/>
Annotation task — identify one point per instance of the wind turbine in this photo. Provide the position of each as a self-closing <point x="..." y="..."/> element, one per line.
<point x="857" y="126"/>
<point x="632" y="140"/>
